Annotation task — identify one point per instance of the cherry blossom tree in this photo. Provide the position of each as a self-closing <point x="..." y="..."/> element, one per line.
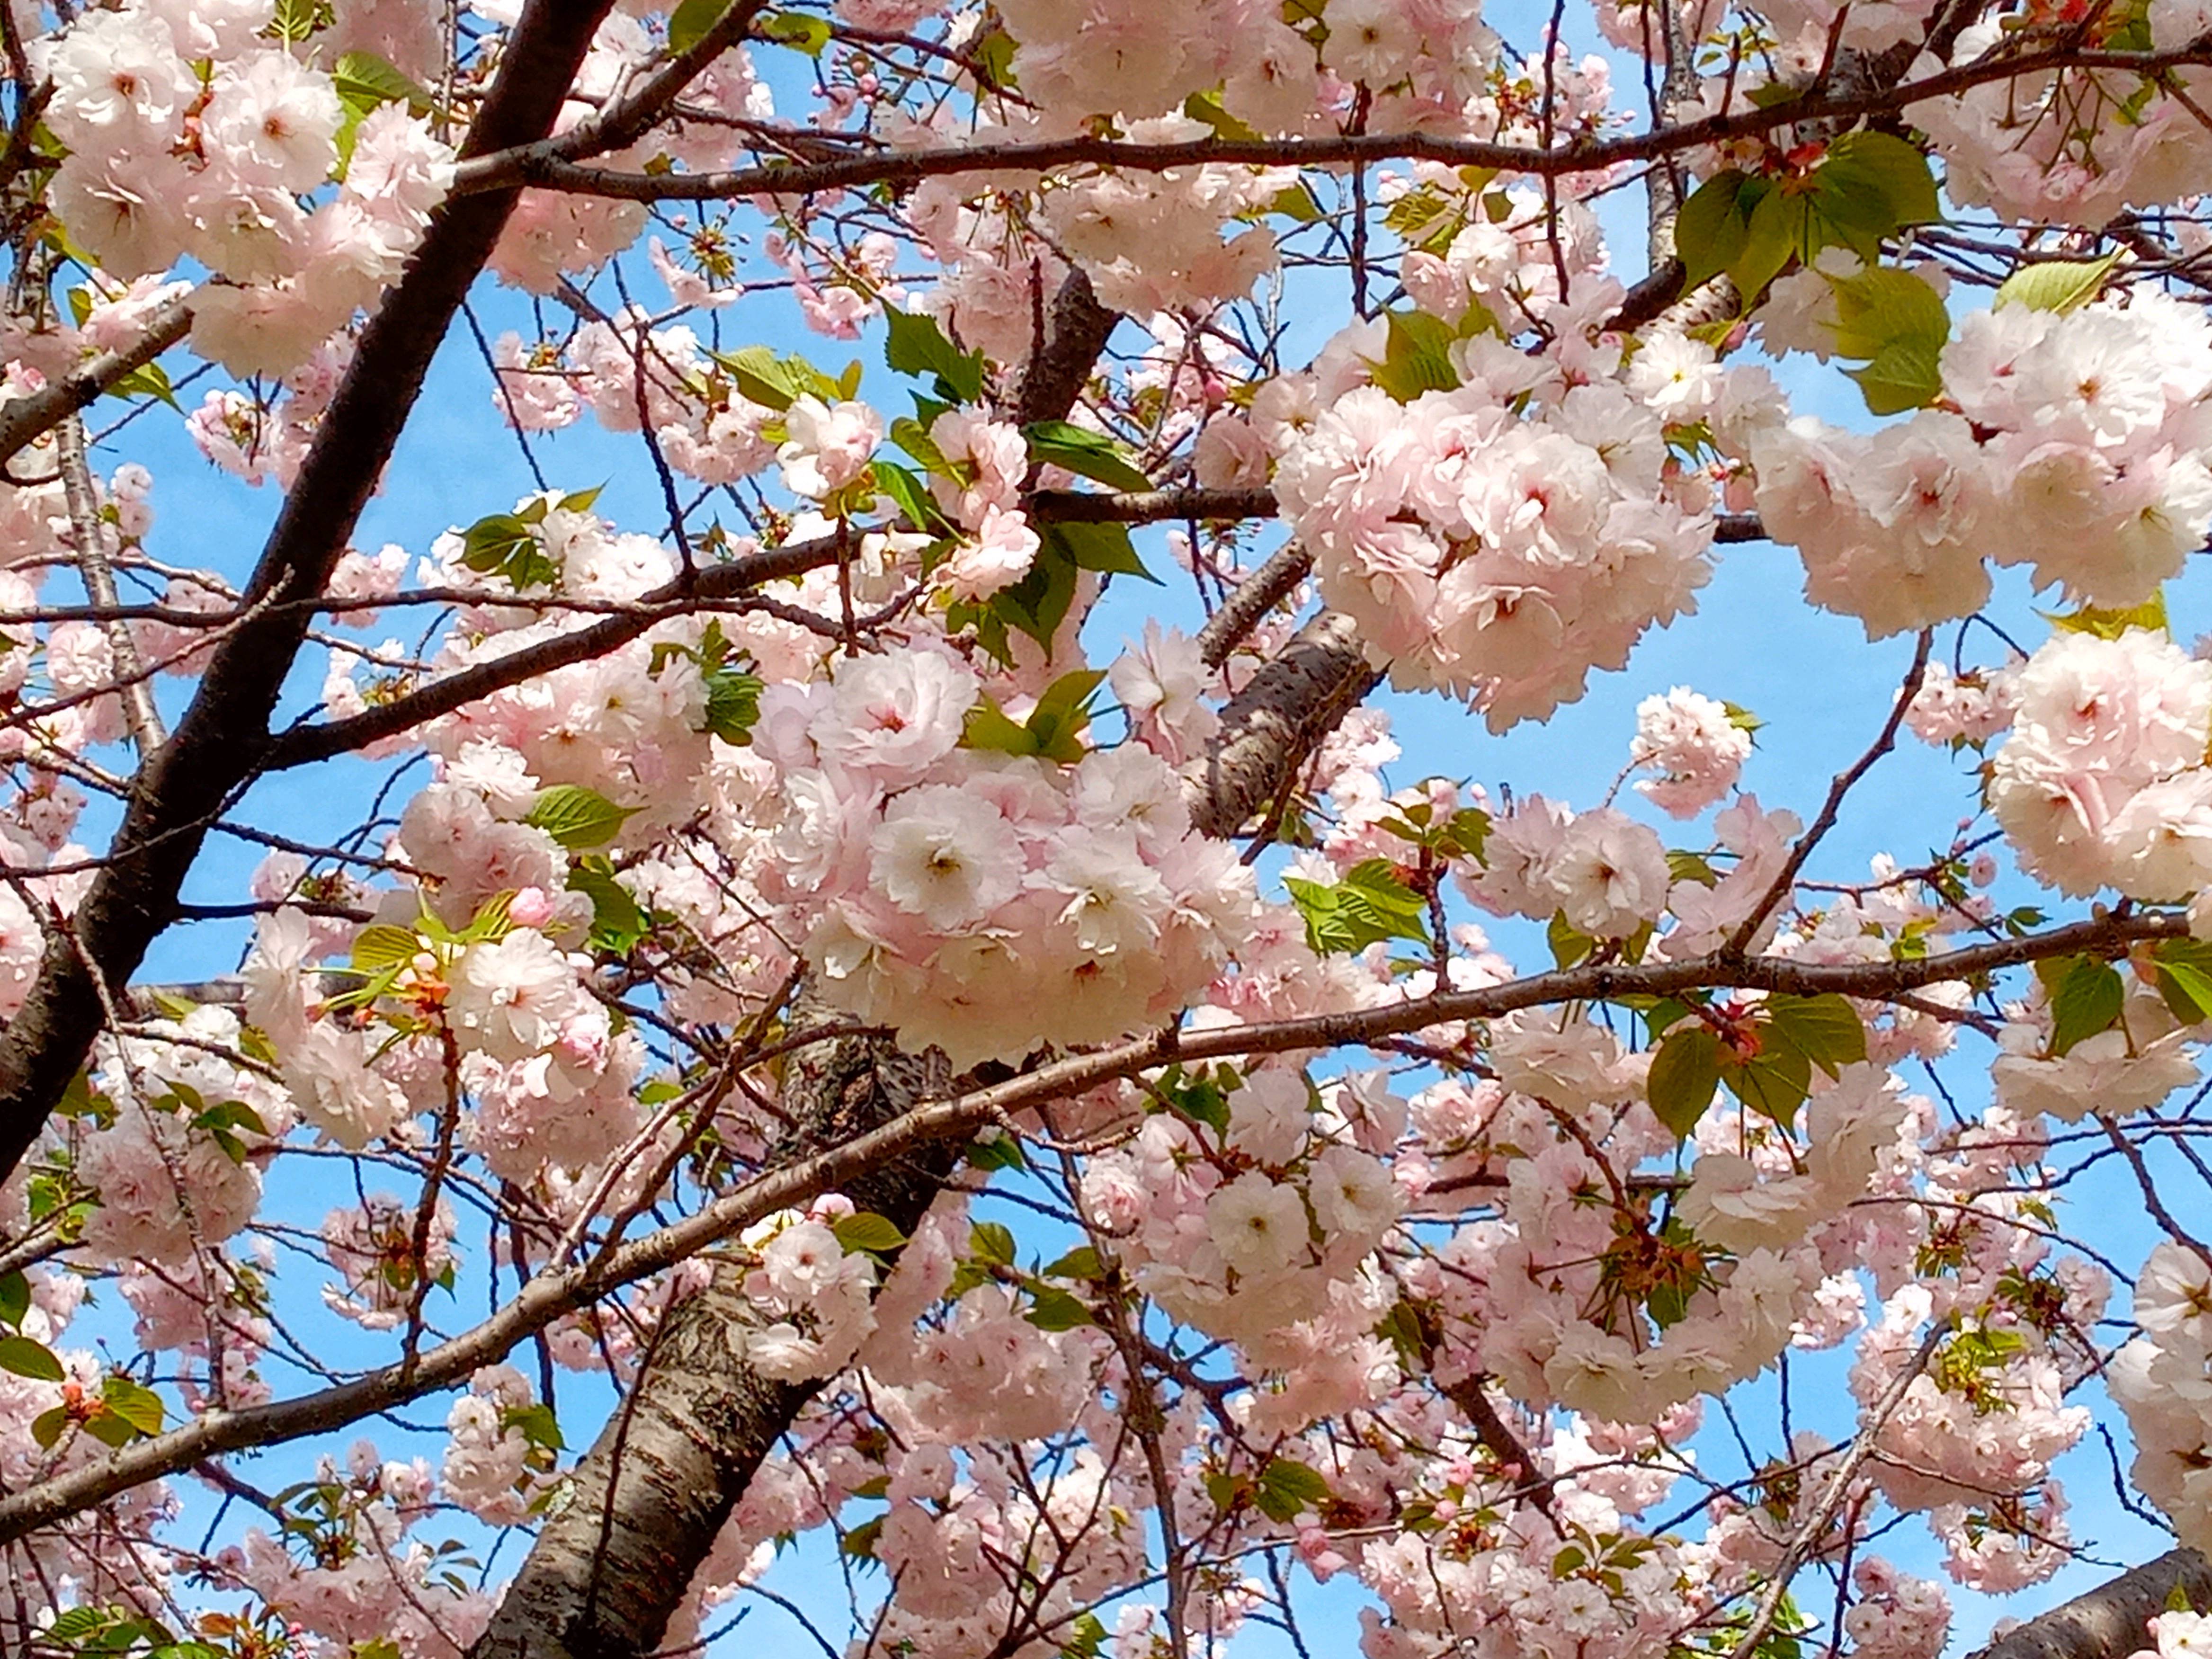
<point x="885" y="996"/>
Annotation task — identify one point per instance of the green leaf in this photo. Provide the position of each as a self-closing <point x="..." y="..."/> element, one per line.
<point x="910" y="495"/>
<point x="2184" y="979"/>
<point x="1712" y="229"/>
<point x="538" y="1424"/>
<point x="578" y="817"/>
<point x="507" y="545"/>
<point x="619" y="925"/>
<point x="1207" y="106"/>
<point x="1416" y="356"/>
<point x="1053" y="729"/>
<point x="1905" y="375"/>
<point x="295" y="19"/>
<point x="14" y="1298"/>
<point x="1104" y="548"/>
<point x="1093" y="454"/>
<point x="2085" y="1000"/>
<point x="1773" y="1083"/>
<point x="2056" y="284"/>
<point x="1775" y="233"/>
<point x="231" y="1115"/>
<point x="796" y="29"/>
<point x="1897" y="168"/>
<point x="1879" y="307"/>
<point x="140" y="1407"/>
<point x="917" y="345"/>
<point x="1288" y="1486"/>
<point x="775" y="382"/>
<point x="151" y="380"/>
<point x="47" y="1427"/>
<point x="2150" y="616"/>
<point x="866" y="1230"/>
<point x="912" y="436"/>
<point x="992" y="1242"/>
<point x="1055" y="1309"/>
<point x="1038" y="603"/>
<point x="26" y="1358"/>
<point x="733" y="705"/>
<point x="1081" y="1262"/>
<point x="1088" y="1641"/>
<point x="364" y="81"/>
<point x="689" y="23"/>
<point x="1825" y="1029"/>
<point x="381" y="946"/>
<point x="1368" y="905"/>
<point x="1000" y="1152"/>
<point x="861" y="1541"/>
<point x="1684" y="1074"/>
<point x="990" y="728"/>
<point x="1899" y="324"/>
<point x="1201" y="1098"/>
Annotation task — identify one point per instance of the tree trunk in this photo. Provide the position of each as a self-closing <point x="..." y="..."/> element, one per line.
<point x="606" y="1573"/>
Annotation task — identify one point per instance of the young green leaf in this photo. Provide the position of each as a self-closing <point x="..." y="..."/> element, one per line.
<point x="1416" y="356"/>
<point x="917" y="345"/>
<point x="1684" y="1074"/>
<point x="1054" y="1310"/>
<point x="866" y="1230"/>
<point x="1774" y="1083"/>
<point x="1288" y="1486"/>
<point x="1710" y="230"/>
<point x="689" y="23"/>
<point x="578" y="817"/>
<point x="2085" y="1000"/>
<point x="1079" y="450"/>
<point x="2056" y="284"/>
<point x="27" y="1358"/>
<point x="1827" y="1030"/>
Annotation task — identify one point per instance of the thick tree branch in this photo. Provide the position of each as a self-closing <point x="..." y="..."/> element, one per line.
<point x="606" y="1573"/>
<point x="1270" y="727"/>
<point x="2113" y="1620"/>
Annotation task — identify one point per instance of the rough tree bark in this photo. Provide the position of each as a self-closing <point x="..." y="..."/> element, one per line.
<point x="606" y="1573"/>
<point x="1271" y="726"/>
<point x="604" y="1576"/>
<point x="186" y="784"/>
<point x="2111" y="1621"/>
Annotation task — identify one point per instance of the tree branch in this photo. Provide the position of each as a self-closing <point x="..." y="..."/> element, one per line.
<point x="2113" y="1620"/>
<point x="552" y="1295"/>
<point x="26" y="420"/>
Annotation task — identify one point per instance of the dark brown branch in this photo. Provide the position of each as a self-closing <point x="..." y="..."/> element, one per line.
<point x="1269" y="728"/>
<point x="1255" y="596"/>
<point x="1074" y="335"/>
<point x="307" y="744"/>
